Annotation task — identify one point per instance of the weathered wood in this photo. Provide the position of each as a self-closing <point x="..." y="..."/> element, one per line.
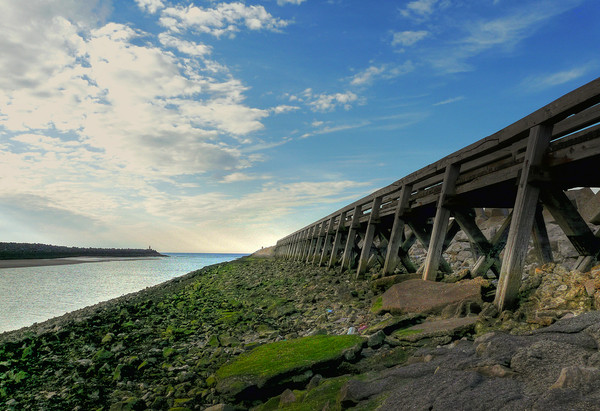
<point x="368" y="240"/>
<point x="440" y="224"/>
<point x="466" y="220"/>
<point x="403" y="253"/>
<point x="320" y="238"/>
<point x="570" y="221"/>
<point x="351" y="240"/>
<point x="327" y="242"/>
<point x="337" y="242"/>
<point x="489" y="260"/>
<point x="541" y="242"/>
<point x="423" y="234"/>
<point x="522" y="221"/>
<point x="391" y="256"/>
<point x="312" y="244"/>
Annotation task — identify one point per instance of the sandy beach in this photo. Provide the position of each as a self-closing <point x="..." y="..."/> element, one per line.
<point x="63" y="261"/>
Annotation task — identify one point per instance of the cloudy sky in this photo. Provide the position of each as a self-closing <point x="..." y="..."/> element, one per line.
<point x="222" y="126"/>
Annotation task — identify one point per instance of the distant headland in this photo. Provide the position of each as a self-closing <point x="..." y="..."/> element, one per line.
<point x="22" y="251"/>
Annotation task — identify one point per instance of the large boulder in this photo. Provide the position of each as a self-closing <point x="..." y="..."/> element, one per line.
<point x="429" y="297"/>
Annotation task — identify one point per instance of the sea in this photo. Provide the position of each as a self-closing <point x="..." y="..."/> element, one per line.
<point x="31" y="295"/>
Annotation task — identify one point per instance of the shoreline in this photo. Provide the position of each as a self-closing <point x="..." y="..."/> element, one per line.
<point x="42" y="262"/>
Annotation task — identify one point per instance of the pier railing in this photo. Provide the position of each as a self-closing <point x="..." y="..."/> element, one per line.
<point x="525" y="167"/>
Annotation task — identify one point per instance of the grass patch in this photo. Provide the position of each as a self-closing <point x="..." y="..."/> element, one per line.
<point x="377" y="304"/>
<point x="272" y="359"/>
<point x="407" y="331"/>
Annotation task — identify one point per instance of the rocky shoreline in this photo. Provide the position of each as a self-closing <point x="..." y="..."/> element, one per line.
<point x="320" y="340"/>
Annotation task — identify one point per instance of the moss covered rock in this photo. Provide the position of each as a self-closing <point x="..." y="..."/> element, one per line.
<point x="282" y="362"/>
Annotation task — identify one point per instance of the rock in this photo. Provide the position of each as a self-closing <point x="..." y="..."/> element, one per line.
<point x="386" y="282"/>
<point x="273" y="363"/>
<point x="375" y="340"/>
<point x="578" y="377"/>
<point x="286" y="398"/>
<point x="221" y="407"/>
<point x="436" y="328"/>
<point x="418" y="296"/>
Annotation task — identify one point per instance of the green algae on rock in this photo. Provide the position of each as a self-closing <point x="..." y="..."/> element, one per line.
<point x="278" y="360"/>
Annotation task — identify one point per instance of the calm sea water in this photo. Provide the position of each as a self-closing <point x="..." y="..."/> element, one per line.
<point x="35" y="294"/>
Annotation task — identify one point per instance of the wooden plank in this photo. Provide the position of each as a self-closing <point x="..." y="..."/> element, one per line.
<point x="365" y="253"/>
<point x="440" y="224"/>
<point x="541" y="242"/>
<point x="391" y="256"/>
<point x="522" y="221"/>
<point x="337" y="242"/>
<point x="351" y="240"/>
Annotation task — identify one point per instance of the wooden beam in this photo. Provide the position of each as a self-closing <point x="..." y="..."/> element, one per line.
<point x="423" y="234"/>
<point x="312" y="244"/>
<point x="391" y="256"/>
<point x="570" y="221"/>
<point x="522" y="221"/>
<point x="327" y="242"/>
<point x="351" y="240"/>
<point x="337" y="242"/>
<point x="541" y="242"/>
<point x="440" y="224"/>
<point x="320" y="238"/>
<point x="405" y="259"/>
<point x="368" y="240"/>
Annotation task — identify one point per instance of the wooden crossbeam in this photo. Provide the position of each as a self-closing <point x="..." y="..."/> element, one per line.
<point x="490" y="260"/>
<point x="440" y="224"/>
<point x="522" y="221"/>
<point x="570" y="221"/>
<point x="368" y="240"/>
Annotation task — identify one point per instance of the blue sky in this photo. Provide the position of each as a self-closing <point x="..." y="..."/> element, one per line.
<point x="215" y="126"/>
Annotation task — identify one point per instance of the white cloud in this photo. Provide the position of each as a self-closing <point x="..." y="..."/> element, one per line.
<point x="541" y="82"/>
<point x="421" y="9"/>
<point x="328" y="102"/>
<point x="385" y="72"/>
<point x="449" y="101"/>
<point x="408" y="38"/>
<point x="184" y="46"/>
<point x="284" y="2"/>
<point x="503" y="32"/>
<point x="224" y="19"/>
<point x="284" y="109"/>
<point x="151" y="6"/>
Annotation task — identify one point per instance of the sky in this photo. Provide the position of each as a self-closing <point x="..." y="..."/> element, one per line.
<point x="223" y="126"/>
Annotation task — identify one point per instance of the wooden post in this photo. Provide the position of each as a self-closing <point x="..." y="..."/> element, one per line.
<point x="350" y="241"/>
<point x="326" y="242"/>
<point x="466" y="220"/>
<point x="391" y="256"/>
<point x="522" y="220"/>
<point x="337" y="242"/>
<point x="305" y="245"/>
<point x="403" y="253"/>
<point x="312" y="244"/>
<point x="369" y="234"/>
<point x="424" y="235"/>
<point x="541" y="242"/>
<point x="440" y="224"/>
<point x="320" y="238"/>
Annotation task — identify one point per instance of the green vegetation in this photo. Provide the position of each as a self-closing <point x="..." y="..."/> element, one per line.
<point x="377" y="304"/>
<point x="272" y="359"/>
<point x="405" y="332"/>
<point x="13" y="251"/>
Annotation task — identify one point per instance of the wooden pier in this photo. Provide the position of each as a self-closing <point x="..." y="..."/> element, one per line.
<point x="526" y="167"/>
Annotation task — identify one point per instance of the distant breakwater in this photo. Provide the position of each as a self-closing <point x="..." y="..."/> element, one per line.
<point x="13" y="251"/>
